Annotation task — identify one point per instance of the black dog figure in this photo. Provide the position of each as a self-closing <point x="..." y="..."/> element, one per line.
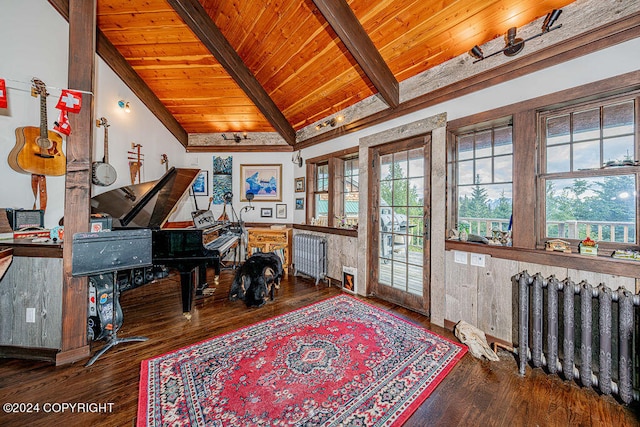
<point x="257" y="278"/>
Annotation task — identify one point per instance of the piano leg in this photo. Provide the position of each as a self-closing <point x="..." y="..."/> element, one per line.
<point x="202" y="288"/>
<point x="188" y="281"/>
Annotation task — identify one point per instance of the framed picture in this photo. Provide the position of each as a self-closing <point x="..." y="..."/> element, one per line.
<point x="300" y="184"/>
<point x="264" y="181"/>
<point x="281" y="210"/>
<point x="300" y="203"/>
<point x="221" y="181"/>
<point x="200" y="186"/>
<point x="266" y="212"/>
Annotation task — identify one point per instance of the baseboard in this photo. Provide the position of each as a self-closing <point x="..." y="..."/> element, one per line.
<point x="28" y="353"/>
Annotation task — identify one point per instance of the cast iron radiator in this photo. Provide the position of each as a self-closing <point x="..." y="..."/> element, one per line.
<point x="584" y="333"/>
<point x="310" y="256"/>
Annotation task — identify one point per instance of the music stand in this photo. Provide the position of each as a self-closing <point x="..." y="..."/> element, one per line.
<point x="117" y="250"/>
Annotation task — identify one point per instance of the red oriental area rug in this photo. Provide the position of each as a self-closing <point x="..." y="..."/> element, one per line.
<point x="336" y="362"/>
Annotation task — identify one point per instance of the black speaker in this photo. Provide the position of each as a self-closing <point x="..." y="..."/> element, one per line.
<point x="22" y="218"/>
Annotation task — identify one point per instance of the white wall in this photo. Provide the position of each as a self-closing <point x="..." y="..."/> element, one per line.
<point x="204" y="161"/>
<point x="35" y="44"/>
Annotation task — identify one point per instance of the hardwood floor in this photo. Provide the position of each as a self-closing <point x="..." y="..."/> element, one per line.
<point x="475" y="393"/>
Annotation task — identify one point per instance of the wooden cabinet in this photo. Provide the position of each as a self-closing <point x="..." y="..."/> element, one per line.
<point x="271" y="240"/>
<point x="31" y="294"/>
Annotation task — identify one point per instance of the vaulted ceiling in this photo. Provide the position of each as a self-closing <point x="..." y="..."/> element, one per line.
<point x="225" y="66"/>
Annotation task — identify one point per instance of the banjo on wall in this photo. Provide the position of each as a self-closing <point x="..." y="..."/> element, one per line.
<point x="102" y="172"/>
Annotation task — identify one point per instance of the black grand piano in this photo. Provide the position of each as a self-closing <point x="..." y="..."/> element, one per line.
<point x="189" y="250"/>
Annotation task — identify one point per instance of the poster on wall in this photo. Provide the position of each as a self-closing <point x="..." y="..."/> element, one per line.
<point x="222" y="178"/>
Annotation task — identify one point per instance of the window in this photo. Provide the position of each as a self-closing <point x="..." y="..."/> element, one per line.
<point x="588" y="177"/>
<point x="333" y="189"/>
<point x="350" y="198"/>
<point x="321" y="194"/>
<point x="482" y="163"/>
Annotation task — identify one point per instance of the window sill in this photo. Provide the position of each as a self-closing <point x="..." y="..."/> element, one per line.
<point x="327" y="230"/>
<point x="598" y="264"/>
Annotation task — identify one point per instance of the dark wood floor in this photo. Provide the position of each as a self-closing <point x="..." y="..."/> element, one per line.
<point x="475" y="393"/>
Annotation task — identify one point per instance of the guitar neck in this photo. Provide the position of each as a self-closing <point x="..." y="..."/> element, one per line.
<point x="43" y="117"/>
<point x="106" y="144"/>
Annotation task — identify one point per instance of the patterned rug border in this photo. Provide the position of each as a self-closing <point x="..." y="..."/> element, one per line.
<point x="407" y="413"/>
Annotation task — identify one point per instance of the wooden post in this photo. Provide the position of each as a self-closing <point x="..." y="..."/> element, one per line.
<point x="82" y="47"/>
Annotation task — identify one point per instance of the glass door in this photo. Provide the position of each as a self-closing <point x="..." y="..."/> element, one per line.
<point x="400" y="237"/>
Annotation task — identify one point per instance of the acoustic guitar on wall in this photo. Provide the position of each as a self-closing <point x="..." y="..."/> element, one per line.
<point x="38" y="151"/>
<point x="102" y="172"/>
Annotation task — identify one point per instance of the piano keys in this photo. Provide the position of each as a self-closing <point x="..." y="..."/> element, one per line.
<point x="189" y="250"/>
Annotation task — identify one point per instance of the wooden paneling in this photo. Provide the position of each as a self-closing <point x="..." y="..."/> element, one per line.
<point x="494" y="298"/>
<point x="298" y="60"/>
<point x="486" y="297"/>
<point x="461" y="291"/>
<point x="342" y="250"/>
<point x="32" y="283"/>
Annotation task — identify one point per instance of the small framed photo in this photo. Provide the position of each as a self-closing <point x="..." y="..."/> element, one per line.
<point x="266" y="212"/>
<point x="281" y="210"/>
<point x="300" y="203"/>
<point x="200" y="186"/>
<point x="300" y="185"/>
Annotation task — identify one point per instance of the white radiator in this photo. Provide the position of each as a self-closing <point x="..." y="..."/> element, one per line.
<point x="310" y="256"/>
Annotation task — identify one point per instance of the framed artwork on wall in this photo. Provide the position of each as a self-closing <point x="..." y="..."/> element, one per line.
<point x="281" y="210"/>
<point x="264" y="181"/>
<point x="300" y="203"/>
<point x="266" y="212"/>
<point x="222" y="178"/>
<point x="201" y="185"/>
<point x="300" y="185"/>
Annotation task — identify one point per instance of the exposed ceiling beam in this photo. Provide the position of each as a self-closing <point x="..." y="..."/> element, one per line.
<point x="346" y="25"/>
<point x="610" y="34"/>
<point x="128" y="75"/>
<point x="196" y="18"/>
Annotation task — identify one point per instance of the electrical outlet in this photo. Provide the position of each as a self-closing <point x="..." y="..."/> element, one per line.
<point x="31" y="315"/>
<point x="477" y="260"/>
<point x="460" y="257"/>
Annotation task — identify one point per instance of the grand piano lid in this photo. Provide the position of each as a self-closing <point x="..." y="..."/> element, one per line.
<point x="149" y="204"/>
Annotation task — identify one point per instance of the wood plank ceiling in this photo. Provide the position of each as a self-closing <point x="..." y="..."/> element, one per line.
<point x="223" y="66"/>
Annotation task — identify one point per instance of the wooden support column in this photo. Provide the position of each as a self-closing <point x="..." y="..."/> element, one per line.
<point x="82" y="47"/>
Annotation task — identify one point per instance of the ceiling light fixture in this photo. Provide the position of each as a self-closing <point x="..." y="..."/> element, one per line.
<point x="236" y="137"/>
<point x="331" y="122"/>
<point x="514" y="45"/>
<point x="124" y="105"/>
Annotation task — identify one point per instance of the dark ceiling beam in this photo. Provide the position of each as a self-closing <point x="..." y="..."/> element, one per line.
<point x="196" y="18"/>
<point x="346" y="25"/>
<point x="128" y="75"/>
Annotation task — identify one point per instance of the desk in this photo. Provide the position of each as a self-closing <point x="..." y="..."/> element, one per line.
<point x="268" y="240"/>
